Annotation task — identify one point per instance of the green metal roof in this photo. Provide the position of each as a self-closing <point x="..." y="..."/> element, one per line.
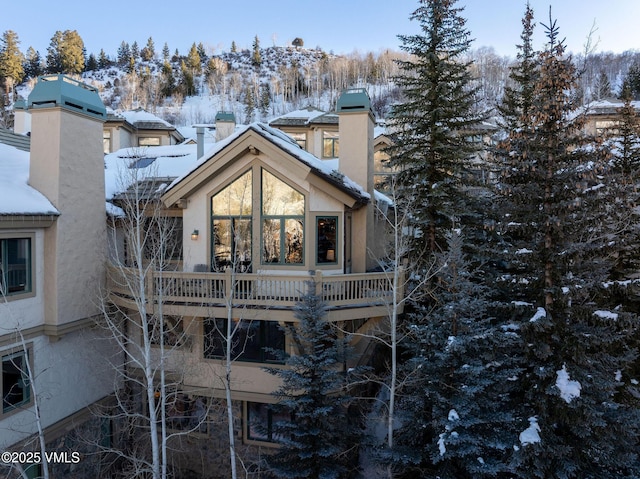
<point x="67" y="93"/>
<point x="354" y="99"/>
<point x="20" y="104"/>
<point x="225" y="116"/>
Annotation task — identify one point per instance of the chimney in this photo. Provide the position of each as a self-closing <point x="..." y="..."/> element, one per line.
<point x="21" y="117"/>
<point x="225" y="124"/>
<point x="355" y="128"/>
<point x="67" y="166"/>
<point x="200" y="133"/>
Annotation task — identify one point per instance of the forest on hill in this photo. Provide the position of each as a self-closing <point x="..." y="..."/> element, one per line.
<point x="261" y="82"/>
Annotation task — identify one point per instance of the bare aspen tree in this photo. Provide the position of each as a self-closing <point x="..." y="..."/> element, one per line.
<point x="144" y="243"/>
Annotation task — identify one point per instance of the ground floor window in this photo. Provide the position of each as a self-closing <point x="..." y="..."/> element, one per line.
<point x="257" y="341"/>
<point x="16" y="391"/>
<point x="262" y="422"/>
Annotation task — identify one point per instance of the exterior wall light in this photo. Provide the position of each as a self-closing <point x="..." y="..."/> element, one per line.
<point x="194" y="235"/>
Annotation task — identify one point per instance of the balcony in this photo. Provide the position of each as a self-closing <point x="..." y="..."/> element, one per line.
<point x="253" y="296"/>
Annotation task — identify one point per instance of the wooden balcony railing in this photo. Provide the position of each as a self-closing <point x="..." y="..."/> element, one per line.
<point x="254" y="290"/>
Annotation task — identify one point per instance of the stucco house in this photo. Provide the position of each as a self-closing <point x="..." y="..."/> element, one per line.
<point x="255" y="217"/>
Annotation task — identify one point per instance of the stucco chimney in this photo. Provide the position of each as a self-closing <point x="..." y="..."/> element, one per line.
<point x="225" y="124"/>
<point x="21" y="118"/>
<point x="356" y="122"/>
<point x="67" y="166"/>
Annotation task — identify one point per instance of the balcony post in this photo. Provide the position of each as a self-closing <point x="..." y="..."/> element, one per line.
<point x="318" y="280"/>
<point x="228" y="287"/>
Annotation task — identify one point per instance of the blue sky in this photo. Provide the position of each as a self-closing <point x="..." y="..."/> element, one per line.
<point x="341" y="26"/>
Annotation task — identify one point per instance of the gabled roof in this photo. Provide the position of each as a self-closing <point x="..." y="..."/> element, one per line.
<point x="183" y="185"/>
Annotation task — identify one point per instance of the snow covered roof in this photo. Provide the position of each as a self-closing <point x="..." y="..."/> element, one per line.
<point x="16" y="196"/>
<point x="608" y="107"/>
<point x="129" y="165"/>
<point x="297" y="117"/>
<point x="141" y="119"/>
<point x="283" y="141"/>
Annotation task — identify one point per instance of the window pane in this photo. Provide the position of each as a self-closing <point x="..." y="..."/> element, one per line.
<point x="235" y="199"/>
<point x="232" y="239"/>
<point x="247" y="341"/>
<point x="271" y="241"/>
<point x="258" y="421"/>
<point x="215" y="331"/>
<point x="15" y="382"/>
<point x="149" y="141"/>
<point x="326" y="228"/>
<point x="330" y="145"/>
<point x="293" y="240"/>
<point x="280" y="199"/>
<point x="15" y="265"/>
<point x="273" y="339"/>
<point x="262" y="422"/>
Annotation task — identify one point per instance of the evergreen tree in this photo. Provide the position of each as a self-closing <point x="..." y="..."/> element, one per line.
<point x="204" y="58"/>
<point x="54" y="60"/>
<point x="624" y="177"/>
<point x="168" y="80"/>
<point x="92" y="63"/>
<point x="33" y="64"/>
<point x="456" y="410"/>
<point x="603" y="86"/>
<point x="135" y="51"/>
<point x="148" y="53"/>
<point x="72" y="54"/>
<point x="577" y="337"/>
<point x="11" y="60"/>
<point x="249" y="104"/>
<point x="631" y="83"/>
<point x="234" y="48"/>
<point x="194" y="62"/>
<point x="318" y="439"/>
<point x="165" y="52"/>
<point x="256" y="57"/>
<point x="103" y="60"/>
<point x="433" y="121"/>
<point x="124" y="54"/>
<point x="187" y="82"/>
<point x="265" y="99"/>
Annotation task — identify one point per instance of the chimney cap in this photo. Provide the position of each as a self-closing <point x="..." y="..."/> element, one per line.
<point x="68" y="93"/>
<point x="20" y="104"/>
<point x="225" y="116"/>
<point x="354" y="99"/>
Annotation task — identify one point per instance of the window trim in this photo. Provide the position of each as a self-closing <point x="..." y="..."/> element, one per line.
<point x="262" y="334"/>
<point x="232" y="218"/>
<point x="332" y="138"/>
<point x="26" y="352"/>
<point x="246" y="415"/>
<point x="31" y="292"/>
<point x="337" y="249"/>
